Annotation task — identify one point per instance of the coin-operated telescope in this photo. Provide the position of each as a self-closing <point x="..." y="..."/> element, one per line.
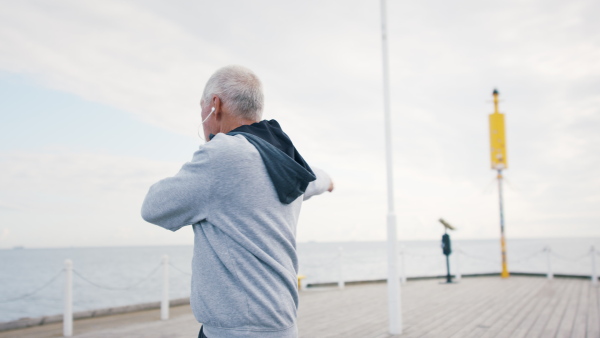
<point x="447" y="247"/>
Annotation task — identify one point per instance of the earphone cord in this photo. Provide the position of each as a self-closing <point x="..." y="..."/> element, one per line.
<point x="211" y="111"/>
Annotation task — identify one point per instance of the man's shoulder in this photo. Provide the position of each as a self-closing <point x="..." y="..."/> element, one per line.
<point x="235" y="163"/>
<point x="227" y="147"/>
<point x="223" y="141"/>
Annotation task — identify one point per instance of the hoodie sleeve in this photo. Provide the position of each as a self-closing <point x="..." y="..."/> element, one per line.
<point x="182" y="199"/>
<point x="318" y="186"/>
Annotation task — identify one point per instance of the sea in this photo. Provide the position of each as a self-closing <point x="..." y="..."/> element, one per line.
<point x="32" y="280"/>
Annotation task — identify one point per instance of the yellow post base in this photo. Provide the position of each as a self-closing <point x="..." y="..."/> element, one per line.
<point x="504" y="273"/>
<point x="300" y="278"/>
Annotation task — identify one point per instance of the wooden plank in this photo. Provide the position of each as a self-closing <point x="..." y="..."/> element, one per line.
<point x="516" y="319"/>
<point x="553" y="324"/>
<point x="364" y="320"/>
<point x="549" y="319"/>
<point x="482" y="322"/>
<point x="544" y="297"/>
<point x="436" y="302"/>
<point x="419" y="306"/>
<point x="133" y="324"/>
<point x="458" y="317"/>
<point x="470" y="305"/>
<point x="379" y="321"/>
<point x="579" y="322"/>
<point x="539" y="324"/>
<point x="358" y="312"/>
<point x="340" y="309"/>
<point x="327" y="312"/>
<point x="507" y="319"/>
<point x="518" y="307"/>
<point x="593" y="317"/>
<point x="474" y="303"/>
<point x="481" y="308"/>
<point x="475" y="294"/>
<point x="438" y="307"/>
<point x="568" y="318"/>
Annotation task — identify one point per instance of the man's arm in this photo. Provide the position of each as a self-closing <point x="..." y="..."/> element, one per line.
<point x="182" y="199"/>
<point x="320" y="185"/>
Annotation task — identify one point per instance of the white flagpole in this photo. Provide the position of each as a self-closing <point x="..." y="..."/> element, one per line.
<point x="393" y="282"/>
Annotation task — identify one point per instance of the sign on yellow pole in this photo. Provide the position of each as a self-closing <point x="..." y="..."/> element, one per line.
<point x="497" y="137"/>
<point x="498" y="150"/>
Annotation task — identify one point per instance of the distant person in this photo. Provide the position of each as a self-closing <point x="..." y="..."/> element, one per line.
<point x="242" y="193"/>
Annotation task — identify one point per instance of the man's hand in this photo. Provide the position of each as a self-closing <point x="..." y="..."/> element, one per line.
<point x="322" y="184"/>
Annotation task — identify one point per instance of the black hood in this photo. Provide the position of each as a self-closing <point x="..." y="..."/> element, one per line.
<point x="287" y="169"/>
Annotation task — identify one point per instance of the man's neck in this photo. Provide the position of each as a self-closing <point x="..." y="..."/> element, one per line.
<point x="233" y="123"/>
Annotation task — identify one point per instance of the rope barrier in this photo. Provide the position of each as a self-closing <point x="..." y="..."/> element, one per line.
<point x="514" y="261"/>
<point x="34" y="291"/>
<point x="572" y="259"/>
<point x="320" y="264"/>
<point x="364" y="259"/>
<point x="333" y="260"/>
<point x="370" y="260"/>
<point x="422" y="255"/>
<point x="118" y="288"/>
<point x="480" y="258"/>
<point x="178" y="269"/>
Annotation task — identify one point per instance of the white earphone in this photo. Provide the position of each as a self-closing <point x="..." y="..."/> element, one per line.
<point x="212" y="110"/>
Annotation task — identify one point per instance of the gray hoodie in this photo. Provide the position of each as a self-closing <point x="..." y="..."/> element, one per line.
<point x="244" y="269"/>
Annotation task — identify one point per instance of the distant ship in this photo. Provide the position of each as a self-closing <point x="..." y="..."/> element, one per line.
<point x="18" y="247"/>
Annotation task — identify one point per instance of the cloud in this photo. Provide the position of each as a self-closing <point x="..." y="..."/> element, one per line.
<point x="10" y="207"/>
<point x="323" y="81"/>
<point x="80" y="199"/>
<point x="115" y="53"/>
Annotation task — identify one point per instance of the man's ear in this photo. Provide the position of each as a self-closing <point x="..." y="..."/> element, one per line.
<point x="216" y="102"/>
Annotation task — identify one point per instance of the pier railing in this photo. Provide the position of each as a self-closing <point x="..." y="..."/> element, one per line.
<point x="340" y="262"/>
<point x="335" y="262"/>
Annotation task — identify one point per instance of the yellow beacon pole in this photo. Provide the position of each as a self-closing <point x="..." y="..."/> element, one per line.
<point x="499" y="162"/>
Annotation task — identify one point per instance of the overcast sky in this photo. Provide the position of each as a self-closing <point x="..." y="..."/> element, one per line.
<point x="98" y="100"/>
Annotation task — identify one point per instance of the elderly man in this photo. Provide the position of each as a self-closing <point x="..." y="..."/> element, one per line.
<point x="241" y="192"/>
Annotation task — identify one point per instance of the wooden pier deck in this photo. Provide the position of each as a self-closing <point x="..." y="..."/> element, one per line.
<point x="475" y="307"/>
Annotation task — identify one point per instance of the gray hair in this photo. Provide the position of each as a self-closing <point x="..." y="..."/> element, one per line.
<point x="239" y="89"/>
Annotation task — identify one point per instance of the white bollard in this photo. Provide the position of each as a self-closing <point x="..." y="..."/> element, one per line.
<point x="341" y="283"/>
<point x="457" y="261"/>
<point x="594" y="271"/>
<point x="402" y="266"/>
<point x="549" y="275"/>
<point x="164" y="304"/>
<point x="68" y="310"/>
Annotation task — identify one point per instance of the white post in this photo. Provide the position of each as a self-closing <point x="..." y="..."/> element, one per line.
<point x="457" y="261"/>
<point x="549" y="275"/>
<point x="341" y="283"/>
<point x="594" y="271"/>
<point x="402" y="265"/>
<point x="68" y="310"/>
<point x="393" y="282"/>
<point x="164" y="304"/>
